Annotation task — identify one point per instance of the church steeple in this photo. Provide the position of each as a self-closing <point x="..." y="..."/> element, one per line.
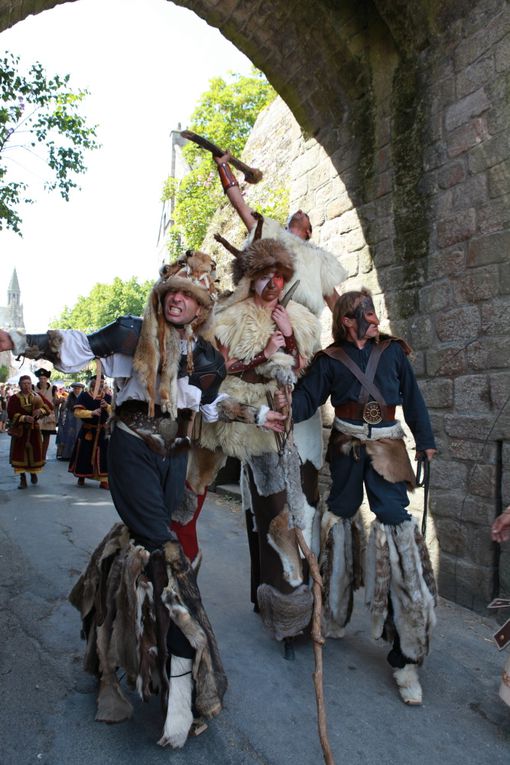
<point x="13" y="291"/>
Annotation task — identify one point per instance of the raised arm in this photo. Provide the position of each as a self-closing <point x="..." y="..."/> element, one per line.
<point x="233" y="192"/>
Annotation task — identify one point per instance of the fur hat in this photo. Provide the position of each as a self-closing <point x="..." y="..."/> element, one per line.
<point x="158" y="348"/>
<point x="260" y="258"/>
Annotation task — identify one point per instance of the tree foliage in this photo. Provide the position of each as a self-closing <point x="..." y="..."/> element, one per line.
<point x="38" y="114"/>
<point x="225" y="114"/>
<point x="104" y="304"/>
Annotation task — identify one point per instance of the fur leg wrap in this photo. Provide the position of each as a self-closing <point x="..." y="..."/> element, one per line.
<point x="398" y="567"/>
<point x="342" y="542"/>
<point x="408" y="684"/>
<point x="285" y="615"/>
<point x="179" y="716"/>
<point x="283" y="539"/>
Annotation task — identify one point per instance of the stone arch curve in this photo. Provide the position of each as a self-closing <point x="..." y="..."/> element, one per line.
<point x="408" y="99"/>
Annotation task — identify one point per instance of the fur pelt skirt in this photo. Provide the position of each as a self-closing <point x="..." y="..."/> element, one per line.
<point x="126" y="616"/>
<point x="278" y="571"/>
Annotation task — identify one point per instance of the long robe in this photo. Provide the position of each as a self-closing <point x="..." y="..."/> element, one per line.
<point x="26" y="441"/>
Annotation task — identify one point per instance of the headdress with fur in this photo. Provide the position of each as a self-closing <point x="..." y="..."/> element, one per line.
<point x="158" y="349"/>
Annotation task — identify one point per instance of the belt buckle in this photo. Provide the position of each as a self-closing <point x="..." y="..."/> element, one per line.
<point x="372" y="414"/>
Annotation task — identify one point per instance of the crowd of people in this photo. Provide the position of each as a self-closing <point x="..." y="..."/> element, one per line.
<point x="204" y="376"/>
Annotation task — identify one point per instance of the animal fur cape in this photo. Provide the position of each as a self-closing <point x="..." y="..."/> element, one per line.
<point x="244" y="328"/>
<point x="318" y="270"/>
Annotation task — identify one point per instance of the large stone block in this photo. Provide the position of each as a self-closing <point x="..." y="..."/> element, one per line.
<point x="498" y="178"/>
<point x="496" y="316"/>
<point x="438" y="394"/>
<point x="475" y="75"/>
<point x="456" y="228"/>
<point x="495" y="215"/>
<point x="458" y="324"/>
<point x="467" y="584"/>
<point x="477" y="284"/>
<point x="469" y="426"/>
<point x="466" y="541"/>
<point x="449" y="262"/>
<point x="491" y="248"/>
<point x="499" y="385"/>
<point x="488" y="353"/>
<point x="471" y="194"/>
<point x="466" y="108"/>
<point x="474" y="451"/>
<point x="435" y="297"/>
<point x="472" y="394"/>
<point x="490" y="152"/>
<point x="446" y="361"/>
<point x="482" y="481"/>
<point x="448" y="473"/>
<point x="463" y="138"/>
<point x="452" y="174"/>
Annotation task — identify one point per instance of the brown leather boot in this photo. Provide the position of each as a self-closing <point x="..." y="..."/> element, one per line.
<point x="33" y="478"/>
<point x="22" y="481"/>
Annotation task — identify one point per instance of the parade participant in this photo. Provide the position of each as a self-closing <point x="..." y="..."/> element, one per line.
<point x="264" y="343"/>
<point x="138" y="598"/>
<point x="48" y="424"/>
<point x="367" y="375"/>
<point x="500" y="532"/>
<point x="318" y="271"/>
<point x="89" y="457"/>
<point x="25" y="409"/>
<point x="68" y="424"/>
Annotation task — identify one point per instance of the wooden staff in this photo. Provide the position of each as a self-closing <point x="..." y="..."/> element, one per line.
<point x="316" y="632"/>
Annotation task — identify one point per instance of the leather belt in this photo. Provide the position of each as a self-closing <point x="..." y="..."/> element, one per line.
<point x="355" y="411"/>
<point x="251" y="376"/>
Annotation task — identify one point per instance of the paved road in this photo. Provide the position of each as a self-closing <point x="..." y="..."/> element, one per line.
<point x="48" y="702"/>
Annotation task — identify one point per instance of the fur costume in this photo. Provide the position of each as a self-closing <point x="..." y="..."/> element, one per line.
<point x="318" y="271"/>
<point x="158" y="348"/>
<point x="285" y="615"/>
<point x="245" y="328"/>
<point x="342" y="548"/>
<point x="125" y="616"/>
<point x="398" y="568"/>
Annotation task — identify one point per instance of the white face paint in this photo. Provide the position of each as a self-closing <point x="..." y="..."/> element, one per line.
<point x="259" y="285"/>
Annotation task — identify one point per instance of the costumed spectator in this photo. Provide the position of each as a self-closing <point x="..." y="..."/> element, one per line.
<point x="48" y="424"/>
<point x="89" y="457"/>
<point x="500" y="532"/>
<point x="68" y="424"/>
<point x="25" y="410"/>
<point x="139" y="600"/>
<point x="367" y="374"/>
<point x="3" y="409"/>
<point x="266" y="344"/>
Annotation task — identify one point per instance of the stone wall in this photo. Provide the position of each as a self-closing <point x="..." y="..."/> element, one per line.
<point x="402" y="156"/>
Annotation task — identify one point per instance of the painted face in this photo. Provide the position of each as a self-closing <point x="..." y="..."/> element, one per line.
<point x="269" y="286"/>
<point x="180" y="308"/>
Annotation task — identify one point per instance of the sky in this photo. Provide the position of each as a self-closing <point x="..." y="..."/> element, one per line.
<point x="145" y="63"/>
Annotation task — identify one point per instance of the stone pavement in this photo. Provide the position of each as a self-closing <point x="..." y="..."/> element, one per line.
<point x="48" y="702"/>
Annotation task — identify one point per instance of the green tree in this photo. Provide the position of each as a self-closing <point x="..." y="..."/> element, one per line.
<point x="4" y="372"/>
<point x="104" y="304"/>
<point x="38" y="114"/>
<point x="225" y="114"/>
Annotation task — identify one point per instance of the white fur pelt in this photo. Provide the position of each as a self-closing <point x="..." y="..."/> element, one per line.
<point x="308" y="440"/>
<point x="398" y="566"/>
<point x="318" y="270"/>
<point x="342" y="543"/>
<point x="179" y="716"/>
<point x="244" y="329"/>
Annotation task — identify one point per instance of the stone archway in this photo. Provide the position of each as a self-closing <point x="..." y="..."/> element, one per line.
<point x="409" y="102"/>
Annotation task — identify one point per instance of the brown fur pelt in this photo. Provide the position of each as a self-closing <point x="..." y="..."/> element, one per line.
<point x="203" y="467"/>
<point x="394" y="564"/>
<point x="342" y="548"/>
<point x="125" y="617"/>
<point x="282" y="539"/>
<point x="231" y="410"/>
<point x="390" y="459"/>
<point x="262" y="257"/>
<point x="50" y="352"/>
<point x="182" y="599"/>
<point x="285" y="614"/>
